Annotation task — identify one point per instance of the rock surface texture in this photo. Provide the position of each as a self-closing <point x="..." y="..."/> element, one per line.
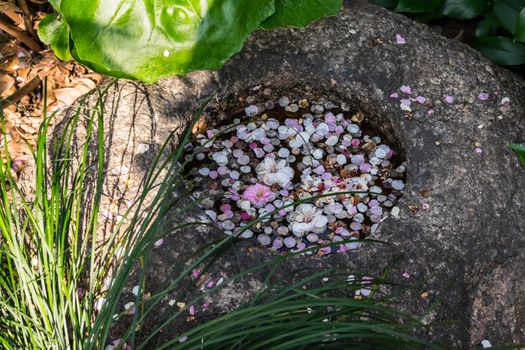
<point x="461" y="230"/>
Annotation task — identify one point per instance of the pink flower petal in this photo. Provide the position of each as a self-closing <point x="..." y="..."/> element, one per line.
<point x="421" y="99"/>
<point x="394" y="95"/>
<point x="406" y="89"/>
<point x="478" y="150"/>
<point x="483" y="96"/>
<point x="400" y="40"/>
<point x="158" y="243"/>
<point x="449" y="99"/>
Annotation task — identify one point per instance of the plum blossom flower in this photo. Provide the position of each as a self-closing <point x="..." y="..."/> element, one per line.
<point x="307" y="218"/>
<point x="272" y="172"/>
<point x="258" y="195"/>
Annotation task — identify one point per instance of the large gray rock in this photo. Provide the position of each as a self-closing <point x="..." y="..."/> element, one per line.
<point x="466" y="249"/>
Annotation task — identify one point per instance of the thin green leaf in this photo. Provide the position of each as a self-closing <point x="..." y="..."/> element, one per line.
<point x="298" y="13"/>
<point x="501" y="50"/>
<point x="418" y="5"/>
<point x="464" y="9"/>
<point x="519" y="148"/>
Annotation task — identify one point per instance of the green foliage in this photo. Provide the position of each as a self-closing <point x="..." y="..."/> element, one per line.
<point x="519" y="148"/>
<point x="55" y="33"/>
<point x="149" y="39"/>
<point x="47" y="286"/>
<point x="464" y="9"/>
<point x="417" y="5"/>
<point x="501" y="50"/>
<point x="298" y="13"/>
<point x="500" y="29"/>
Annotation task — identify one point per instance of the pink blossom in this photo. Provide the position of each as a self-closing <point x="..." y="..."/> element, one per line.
<point x="449" y="99"/>
<point x="406" y="275"/>
<point x="258" y="194"/>
<point x="394" y="95"/>
<point x="478" y="150"/>
<point x="195" y="273"/>
<point x="483" y="96"/>
<point x="192" y="310"/>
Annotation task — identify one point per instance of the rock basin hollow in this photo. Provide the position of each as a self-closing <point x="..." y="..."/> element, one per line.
<point x="293" y="173"/>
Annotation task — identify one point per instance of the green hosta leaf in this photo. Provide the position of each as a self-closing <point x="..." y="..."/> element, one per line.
<point x="148" y="39"/>
<point x="55" y="33"/>
<point x="464" y="9"/>
<point x="389" y="4"/>
<point x="418" y="5"/>
<point x="299" y="13"/>
<point x="520" y="26"/>
<point x="519" y="148"/>
<point x="488" y="26"/>
<point x="501" y="50"/>
<point x="506" y="12"/>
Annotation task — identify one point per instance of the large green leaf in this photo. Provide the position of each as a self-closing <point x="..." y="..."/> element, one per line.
<point x="299" y="13"/>
<point x="418" y="5"/>
<point x="520" y="26"/>
<point x="501" y="50"/>
<point x="148" y="39"/>
<point x="519" y="148"/>
<point x="55" y="33"/>
<point x="506" y="12"/>
<point x="389" y="4"/>
<point x="488" y="26"/>
<point x="464" y="9"/>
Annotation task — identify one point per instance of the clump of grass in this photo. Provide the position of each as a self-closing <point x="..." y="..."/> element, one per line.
<point x="48" y="280"/>
<point x="61" y="289"/>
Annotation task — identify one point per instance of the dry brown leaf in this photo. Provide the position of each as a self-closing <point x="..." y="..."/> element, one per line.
<point x="6" y="83"/>
<point x="70" y="94"/>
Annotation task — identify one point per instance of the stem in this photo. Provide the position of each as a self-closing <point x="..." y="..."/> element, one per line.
<point x="24" y="90"/>
<point x="27" y="18"/>
<point x="20" y="35"/>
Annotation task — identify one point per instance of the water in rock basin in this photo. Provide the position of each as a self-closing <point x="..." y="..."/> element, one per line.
<point x="314" y="175"/>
